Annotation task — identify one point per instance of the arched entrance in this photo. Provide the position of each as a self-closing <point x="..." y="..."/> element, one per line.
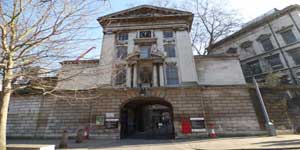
<point x="147" y="118"/>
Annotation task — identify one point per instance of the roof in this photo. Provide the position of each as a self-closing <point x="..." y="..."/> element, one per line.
<point x="91" y="61"/>
<point x="218" y="56"/>
<point x="255" y="24"/>
<point x="126" y="14"/>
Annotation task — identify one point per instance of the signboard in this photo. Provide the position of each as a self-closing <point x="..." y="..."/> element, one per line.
<point x="100" y="120"/>
<point x="109" y="115"/>
<point x="111" y="123"/>
<point x="198" y="124"/>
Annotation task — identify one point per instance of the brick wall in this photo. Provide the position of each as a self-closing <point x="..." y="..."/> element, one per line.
<point x="229" y="108"/>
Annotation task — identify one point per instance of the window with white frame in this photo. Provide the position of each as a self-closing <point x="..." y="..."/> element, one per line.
<point x="172" y="74"/>
<point x="288" y="36"/>
<point x="247" y="47"/>
<point x="170" y="50"/>
<point x="145" y="34"/>
<point x="266" y="42"/>
<point x="145" y="51"/>
<point x="275" y="62"/>
<point x="252" y="67"/>
<point x="123" y="36"/>
<point x="168" y="34"/>
<point x="295" y="54"/>
<point x="120" y="77"/>
<point x="121" y="52"/>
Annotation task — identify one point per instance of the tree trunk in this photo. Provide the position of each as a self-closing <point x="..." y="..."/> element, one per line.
<point x="3" y="119"/>
<point x="7" y="90"/>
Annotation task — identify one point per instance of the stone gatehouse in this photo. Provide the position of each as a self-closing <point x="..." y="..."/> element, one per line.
<point x="147" y="84"/>
<point x="229" y="108"/>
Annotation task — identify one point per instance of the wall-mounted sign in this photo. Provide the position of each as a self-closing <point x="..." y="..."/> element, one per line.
<point x="198" y="124"/>
<point x="109" y="115"/>
<point x="100" y="120"/>
<point x="111" y="123"/>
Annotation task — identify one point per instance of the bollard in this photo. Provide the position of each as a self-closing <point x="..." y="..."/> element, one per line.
<point x="64" y="140"/>
<point x="80" y="136"/>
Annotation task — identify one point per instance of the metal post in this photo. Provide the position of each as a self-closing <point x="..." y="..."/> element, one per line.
<point x="269" y="125"/>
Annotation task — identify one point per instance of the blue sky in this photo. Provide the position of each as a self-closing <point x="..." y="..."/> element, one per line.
<point x="248" y="9"/>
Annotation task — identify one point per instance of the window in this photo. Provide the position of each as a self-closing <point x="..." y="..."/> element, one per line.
<point x="123" y="36"/>
<point x="232" y="51"/>
<point x="274" y="62"/>
<point x="170" y="50"/>
<point x="172" y="74"/>
<point x="288" y="36"/>
<point x="145" y="51"/>
<point x="267" y="44"/>
<point x="122" y="52"/>
<point x="168" y="34"/>
<point x="145" y="34"/>
<point x="247" y="47"/>
<point x="121" y="77"/>
<point x="295" y="54"/>
<point x="253" y="68"/>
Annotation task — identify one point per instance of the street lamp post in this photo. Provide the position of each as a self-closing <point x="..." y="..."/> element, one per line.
<point x="269" y="125"/>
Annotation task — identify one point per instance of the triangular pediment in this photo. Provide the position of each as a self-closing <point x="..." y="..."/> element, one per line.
<point x="146" y="11"/>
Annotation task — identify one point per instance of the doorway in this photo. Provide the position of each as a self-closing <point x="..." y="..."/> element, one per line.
<point x="147" y="119"/>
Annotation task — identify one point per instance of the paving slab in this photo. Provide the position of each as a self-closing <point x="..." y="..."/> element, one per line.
<point x="280" y="142"/>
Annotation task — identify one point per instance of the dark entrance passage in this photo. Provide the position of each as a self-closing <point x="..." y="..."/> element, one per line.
<point x="147" y="119"/>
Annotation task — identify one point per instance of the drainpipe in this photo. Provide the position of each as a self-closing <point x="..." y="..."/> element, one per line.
<point x="269" y="125"/>
<point x="283" y="55"/>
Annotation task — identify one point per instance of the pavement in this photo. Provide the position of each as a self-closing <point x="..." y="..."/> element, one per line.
<point x="280" y="142"/>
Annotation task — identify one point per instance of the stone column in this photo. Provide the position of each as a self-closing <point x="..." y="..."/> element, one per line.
<point x="154" y="76"/>
<point x="135" y="75"/>
<point x="161" y="75"/>
<point x="128" y="76"/>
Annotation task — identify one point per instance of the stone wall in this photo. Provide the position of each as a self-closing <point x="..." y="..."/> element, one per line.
<point x="219" y="70"/>
<point x="229" y="108"/>
<point x="283" y="112"/>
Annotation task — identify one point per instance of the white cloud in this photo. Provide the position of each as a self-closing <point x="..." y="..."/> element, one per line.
<point x="251" y="9"/>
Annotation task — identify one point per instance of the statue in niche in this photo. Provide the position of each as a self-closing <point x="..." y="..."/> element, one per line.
<point x="154" y="48"/>
<point x="146" y="75"/>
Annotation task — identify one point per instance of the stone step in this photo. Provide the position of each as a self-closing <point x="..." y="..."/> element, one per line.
<point x="29" y="147"/>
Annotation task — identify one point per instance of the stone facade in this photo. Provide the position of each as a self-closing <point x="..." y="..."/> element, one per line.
<point x="229" y="108"/>
<point x="128" y="56"/>
<point x="280" y="31"/>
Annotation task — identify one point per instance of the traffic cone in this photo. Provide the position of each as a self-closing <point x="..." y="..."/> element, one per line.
<point x="212" y="132"/>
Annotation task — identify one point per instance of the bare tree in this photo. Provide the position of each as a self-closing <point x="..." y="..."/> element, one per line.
<point x="37" y="33"/>
<point x="213" y="20"/>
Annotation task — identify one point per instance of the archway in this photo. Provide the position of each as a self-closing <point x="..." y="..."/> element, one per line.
<point x="147" y="118"/>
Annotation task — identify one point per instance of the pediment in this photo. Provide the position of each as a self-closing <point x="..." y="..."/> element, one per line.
<point x="146" y="11"/>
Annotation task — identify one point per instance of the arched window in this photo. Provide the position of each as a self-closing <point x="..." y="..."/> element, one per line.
<point x="247" y="47"/>
<point x="266" y="42"/>
<point x="232" y="51"/>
